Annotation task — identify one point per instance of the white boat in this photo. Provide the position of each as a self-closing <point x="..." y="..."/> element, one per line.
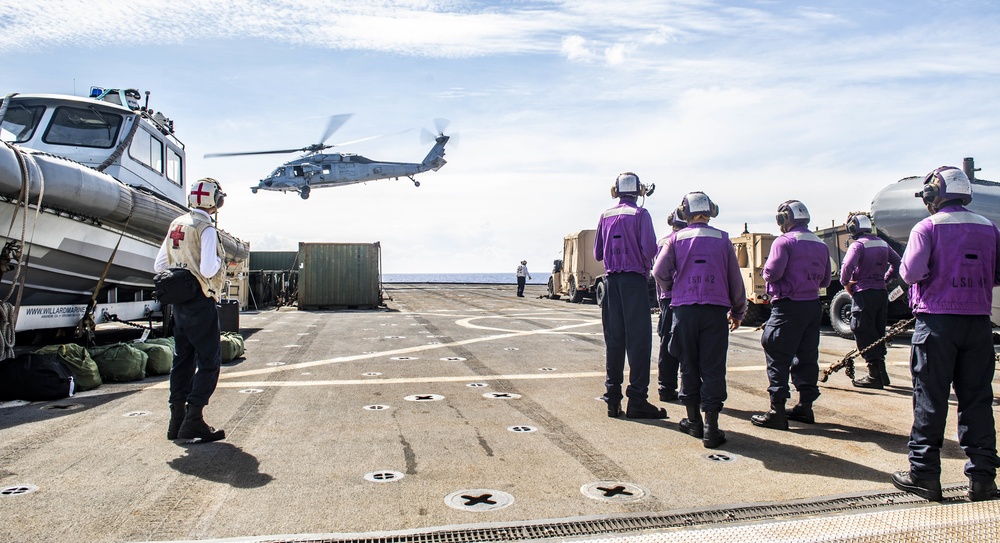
<point x="80" y="176"/>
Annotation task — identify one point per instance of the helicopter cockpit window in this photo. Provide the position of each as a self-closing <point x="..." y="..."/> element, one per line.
<point x="20" y="122"/>
<point x="277" y="172"/>
<point x="83" y="127"/>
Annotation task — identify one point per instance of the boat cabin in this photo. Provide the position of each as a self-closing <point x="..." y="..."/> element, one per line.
<point x="91" y="130"/>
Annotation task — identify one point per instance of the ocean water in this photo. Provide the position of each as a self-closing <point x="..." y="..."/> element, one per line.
<point x="473" y="278"/>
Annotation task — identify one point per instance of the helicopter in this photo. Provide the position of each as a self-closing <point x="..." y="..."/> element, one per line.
<point x="318" y="170"/>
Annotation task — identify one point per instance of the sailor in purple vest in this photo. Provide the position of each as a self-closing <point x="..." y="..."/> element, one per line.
<point x="626" y="243"/>
<point x="868" y="265"/>
<point x="797" y="267"/>
<point x="698" y="266"/>
<point x="951" y="262"/>
<point x="667" y="364"/>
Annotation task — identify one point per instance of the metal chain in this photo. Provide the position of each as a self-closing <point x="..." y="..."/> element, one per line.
<point x="848" y="360"/>
<point x="112" y="317"/>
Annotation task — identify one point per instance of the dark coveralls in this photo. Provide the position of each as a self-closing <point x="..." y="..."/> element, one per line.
<point x="626" y="243"/>
<point x="797" y="267"/>
<point x="196" y="336"/>
<point x="868" y="265"/>
<point x="698" y="266"/>
<point x="952" y="262"/>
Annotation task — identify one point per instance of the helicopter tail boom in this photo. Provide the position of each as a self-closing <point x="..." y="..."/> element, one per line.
<point x="435" y="158"/>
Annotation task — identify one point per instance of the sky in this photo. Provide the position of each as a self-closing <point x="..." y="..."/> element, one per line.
<point x="753" y="102"/>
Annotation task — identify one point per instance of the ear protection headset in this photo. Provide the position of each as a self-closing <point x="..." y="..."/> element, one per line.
<point x="791" y="210"/>
<point x="206" y="193"/>
<point x="676" y="219"/>
<point x="697" y="203"/>
<point x="627" y="184"/>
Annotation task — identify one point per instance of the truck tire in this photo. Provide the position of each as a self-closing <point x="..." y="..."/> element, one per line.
<point x="600" y="290"/>
<point x="756" y="314"/>
<point x="551" y="290"/>
<point x="840" y="314"/>
<point x="574" y="295"/>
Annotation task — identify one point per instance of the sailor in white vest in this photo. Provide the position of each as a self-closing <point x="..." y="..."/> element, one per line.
<point x="193" y="243"/>
<point x="522" y="275"/>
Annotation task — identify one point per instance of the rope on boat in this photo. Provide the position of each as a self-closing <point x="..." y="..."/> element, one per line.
<point x="126" y="141"/>
<point x="8" y="311"/>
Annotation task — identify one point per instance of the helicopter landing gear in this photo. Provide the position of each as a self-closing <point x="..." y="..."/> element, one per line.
<point x="415" y="182"/>
<point x="304" y="193"/>
<point x="253" y="190"/>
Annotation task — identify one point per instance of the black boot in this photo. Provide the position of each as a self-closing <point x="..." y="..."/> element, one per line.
<point x="979" y="491"/>
<point x="927" y="489"/>
<point x="802" y="412"/>
<point x="775" y="418"/>
<point x="194" y="427"/>
<point x="713" y="435"/>
<point x="875" y="378"/>
<point x="614" y="408"/>
<point x="883" y="373"/>
<point x="177" y="412"/>
<point x="642" y="409"/>
<point x="692" y="425"/>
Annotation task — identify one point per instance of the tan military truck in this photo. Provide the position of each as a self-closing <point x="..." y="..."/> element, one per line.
<point x="752" y="249"/>
<point x="578" y="275"/>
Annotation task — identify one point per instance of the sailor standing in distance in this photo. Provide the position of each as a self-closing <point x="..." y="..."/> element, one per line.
<point x="698" y="266"/>
<point x="626" y="243"/>
<point x="952" y="263"/>
<point x="193" y="243"/>
<point x="797" y="267"/>
<point x="522" y="274"/>
<point x="868" y="265"/>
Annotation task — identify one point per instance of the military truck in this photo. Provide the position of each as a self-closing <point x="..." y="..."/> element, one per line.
<point x="578" y="275"/>
<point x="752" y="249"/>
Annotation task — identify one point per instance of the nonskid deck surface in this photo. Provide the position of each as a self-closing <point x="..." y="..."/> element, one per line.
<point x="459" y="405"/>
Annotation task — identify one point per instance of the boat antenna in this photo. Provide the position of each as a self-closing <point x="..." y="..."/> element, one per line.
<point x="146" y="105"/>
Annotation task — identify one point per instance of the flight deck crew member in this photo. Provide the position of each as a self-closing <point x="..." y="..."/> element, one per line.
<point x="868" y="265"/>
<point x="952" y="263"/>
<point x="193" y="243"/>
<point x="698" y="266"/>
<point x="796" y="268"/>
<point x="522" y="274"/>
<point x="626" y="243"/>
<point x="667" y="364"/>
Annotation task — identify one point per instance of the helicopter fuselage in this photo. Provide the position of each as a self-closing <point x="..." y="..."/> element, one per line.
<point x="320" y="170"/>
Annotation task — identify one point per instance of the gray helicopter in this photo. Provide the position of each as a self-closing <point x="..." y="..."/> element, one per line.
<point x="317" y="169"/>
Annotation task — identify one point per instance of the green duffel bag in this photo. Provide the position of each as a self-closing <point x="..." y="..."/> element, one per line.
<point x="168" y="341"/>
<point x="232" y="346"/>
<point x="73" y="356"/>
<point x="120" y="362"/>
<point x="160" y="357"/>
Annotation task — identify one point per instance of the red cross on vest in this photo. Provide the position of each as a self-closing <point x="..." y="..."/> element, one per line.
<point x="177" y="235"/>
<point x="200" y="191"/>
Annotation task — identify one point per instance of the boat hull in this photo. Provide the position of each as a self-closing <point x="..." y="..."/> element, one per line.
<point x="84" y="214"/>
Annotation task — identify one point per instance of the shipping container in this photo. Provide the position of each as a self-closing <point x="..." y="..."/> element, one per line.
<point x="339" y="276"/>
<point x="273" y="260"/>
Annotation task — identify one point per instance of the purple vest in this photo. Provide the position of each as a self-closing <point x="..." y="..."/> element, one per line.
<point x="869" y="262"/>
<point x="698" y="266"/>
<point x="798" y="266"/>
<point x="951" y="263"/>
<point x="625" y="239"/>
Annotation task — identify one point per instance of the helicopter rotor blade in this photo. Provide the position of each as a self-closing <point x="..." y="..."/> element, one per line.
<point x="336" y="121"/>
<point x="275" y="152"/>
<point x="441" y="125"/>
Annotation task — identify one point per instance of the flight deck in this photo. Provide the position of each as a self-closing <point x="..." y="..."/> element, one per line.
<point x="463" y="413"/>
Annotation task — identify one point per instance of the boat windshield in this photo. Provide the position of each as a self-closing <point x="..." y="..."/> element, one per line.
<point x="83" y="127"/>
<point x="19" y="122"/>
